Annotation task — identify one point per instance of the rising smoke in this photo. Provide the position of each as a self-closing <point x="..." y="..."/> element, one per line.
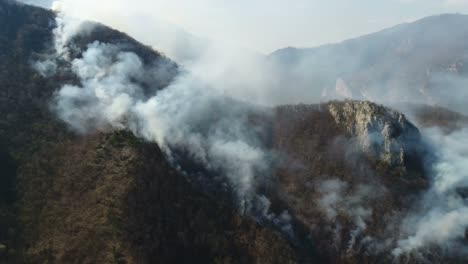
<point x="441" y="217"/>
<point x="188" y="116"/>
<point x="336" y="199"/>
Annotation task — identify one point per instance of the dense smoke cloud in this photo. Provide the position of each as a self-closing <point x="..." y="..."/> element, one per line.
<point x="435" y="224"/>
<point x="184" y="116"/>
<point x="187" y="117"/>
<point x="107" y="93"/>
<point x="233" y="70"/>
<point x="441" y="218"/>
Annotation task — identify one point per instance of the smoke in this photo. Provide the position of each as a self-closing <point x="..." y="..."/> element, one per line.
<point x="454" y="80"/>
<point x="185" y="116"/>
<point x="210" y="128"/>
<point x="234" y="70"/>
<point x="403" y="63"/>
<point x="436" y="223"/>
<point x="201" y="116"/>
<point x="45" y="67"/>
<point x="66" y="27"/>
<point x="404" y="73"/>
<point x="339" y="201"/>
<point x="189" y="118"/>
<point x="107" y="94"/>
<point x="441" y="217"/>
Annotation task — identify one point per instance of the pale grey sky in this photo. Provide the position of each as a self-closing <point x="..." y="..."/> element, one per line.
<point x="266" y="25"/>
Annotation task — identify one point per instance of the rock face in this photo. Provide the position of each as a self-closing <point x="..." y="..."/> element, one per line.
<point x="382" y="133"/>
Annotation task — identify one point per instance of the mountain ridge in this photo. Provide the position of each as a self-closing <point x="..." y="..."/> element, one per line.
<point x="412" y="62"/>
<point x="383" y="31"/>
<point x="110" y="197"/>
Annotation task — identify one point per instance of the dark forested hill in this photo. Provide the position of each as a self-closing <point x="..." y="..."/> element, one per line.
<point x="107" y="198"/>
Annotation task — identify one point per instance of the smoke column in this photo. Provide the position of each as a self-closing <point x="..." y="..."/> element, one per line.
<point x="188" y="116"/>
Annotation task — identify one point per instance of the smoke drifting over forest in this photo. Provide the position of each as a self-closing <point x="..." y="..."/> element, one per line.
<point x="205" y="112"/>
<point x="188" y="115"/>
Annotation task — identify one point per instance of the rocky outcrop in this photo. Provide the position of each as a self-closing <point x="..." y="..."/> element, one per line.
<point x="382" y="133"/>
<point x="337" y="153"/>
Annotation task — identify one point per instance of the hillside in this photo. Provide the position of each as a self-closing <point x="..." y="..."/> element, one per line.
<point x="107" y="198"/>
<point x="339" y="177"/>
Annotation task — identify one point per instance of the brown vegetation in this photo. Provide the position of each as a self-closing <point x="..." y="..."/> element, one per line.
<point x="112" y="198"/>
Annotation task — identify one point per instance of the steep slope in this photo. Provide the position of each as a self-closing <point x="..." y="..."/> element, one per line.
<point x="344" y="173"/>
<point x="111" y="198"/>
<point x="107" y="198"/>
<point x="416" y="62"/>
<point x="335" y="182"/>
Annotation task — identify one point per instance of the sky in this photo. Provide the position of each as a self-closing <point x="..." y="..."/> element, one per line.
<point x="268" y="25"/>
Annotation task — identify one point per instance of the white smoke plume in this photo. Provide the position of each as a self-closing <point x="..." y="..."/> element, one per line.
<point x="107" y="93"/>
<point x="337" y="200"/>
<point x="194" y="114"/>
<point x="441" y="218"/>
<point x="66" y="27"/>
<point x="235" y="71"/>
<point x="438" y="220"/>
<point x="187" y="116"/>
<point x="360" y="68"/>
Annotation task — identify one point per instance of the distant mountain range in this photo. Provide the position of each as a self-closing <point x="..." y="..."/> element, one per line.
<point x="424" y="61"/>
